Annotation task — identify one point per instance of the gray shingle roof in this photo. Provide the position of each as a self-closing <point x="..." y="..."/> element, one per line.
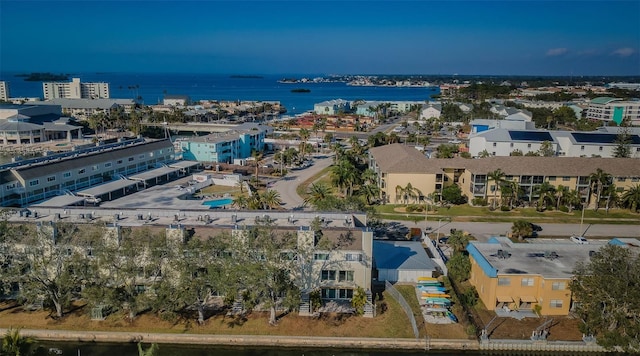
<point x="397" y="158"/>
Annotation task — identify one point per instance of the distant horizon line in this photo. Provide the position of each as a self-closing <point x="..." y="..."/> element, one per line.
<point x="15" y="72"/>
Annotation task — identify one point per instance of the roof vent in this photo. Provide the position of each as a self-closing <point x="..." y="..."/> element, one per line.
<point x="503" y="254"/>
<point x="551" y="255"/>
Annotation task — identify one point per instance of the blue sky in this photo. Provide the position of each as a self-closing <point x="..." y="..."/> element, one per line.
<point x="346" y="37"/>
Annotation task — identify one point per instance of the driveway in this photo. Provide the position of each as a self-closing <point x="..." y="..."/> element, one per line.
<point x="287" y="185"/>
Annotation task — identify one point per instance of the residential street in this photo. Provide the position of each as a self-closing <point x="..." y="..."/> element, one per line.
<point x="287" y="186"/>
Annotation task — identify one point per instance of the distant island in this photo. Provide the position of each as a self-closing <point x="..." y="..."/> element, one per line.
<point x="42" y="77"/>
<point x="301" y="90"/>
<point x="247" y="76"/>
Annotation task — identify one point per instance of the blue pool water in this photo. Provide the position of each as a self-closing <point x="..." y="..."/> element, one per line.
<point x="218" y="202"/>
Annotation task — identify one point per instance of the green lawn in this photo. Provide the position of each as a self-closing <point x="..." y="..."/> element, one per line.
<point x="470" y="213"/>
<point x="322" y="176"/>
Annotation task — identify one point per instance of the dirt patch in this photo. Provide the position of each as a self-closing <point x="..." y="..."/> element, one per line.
<point x="562" y="328"/>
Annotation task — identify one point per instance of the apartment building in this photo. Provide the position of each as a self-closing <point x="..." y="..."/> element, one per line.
<point x="29" y="181"/>
<point x="503" y="140"/>
<point x="332" y="107"/>
<point x="520" y="277"/>
<point x="225" y="147"/>
<point x="609" y="109"/>
<point x="84" y="108"/>
<point x="398" y="165"/>
<point x="75" y="90"/>
<point x="4" y="91"/>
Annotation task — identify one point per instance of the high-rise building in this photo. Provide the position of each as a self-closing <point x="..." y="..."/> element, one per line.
<point x="4" y="91"/>
<point x="75" y="90"/>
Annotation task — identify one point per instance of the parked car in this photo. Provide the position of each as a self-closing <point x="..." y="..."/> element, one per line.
<point x="579" y="240"/>
<point x="443" y="240"/>
<point x="536" y="228"/>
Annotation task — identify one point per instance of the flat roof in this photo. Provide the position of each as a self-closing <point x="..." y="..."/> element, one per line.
<point x="107" y="188"/>
<point x="61" y="200"/>
<point x="154" y="173"/>
<point x="401" y="255"/>
<point x="183" y="164"/>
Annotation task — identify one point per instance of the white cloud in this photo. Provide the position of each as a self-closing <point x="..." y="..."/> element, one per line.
<point x="556" y="52"/>
<point x="623" y="52"/>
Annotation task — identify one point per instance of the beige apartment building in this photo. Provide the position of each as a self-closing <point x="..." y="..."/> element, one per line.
<point x="397" y="165"/>
<point x="75" y="90"/>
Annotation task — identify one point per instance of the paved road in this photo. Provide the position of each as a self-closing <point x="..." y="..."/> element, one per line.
<point x="483" y="230"/>
<point x="287" y="185"/>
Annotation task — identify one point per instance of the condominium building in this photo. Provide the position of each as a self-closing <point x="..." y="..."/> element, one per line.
<point x="332" y="107"/>
<point x="29" y="181"/>
<point x="225" y="147"/>
<point x="75" y="90"/>
<point x="398" y="165"/>
<point x="614" y="109"/>
<point x="522" y="278"/>
<point x="4" y="91"/>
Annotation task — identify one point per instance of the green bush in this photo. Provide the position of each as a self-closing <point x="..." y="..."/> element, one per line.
<point x="410" y="208"/>
<point x="479" y="201"/>
<point x="563" y="209"/>
<point x="505" y="208"/>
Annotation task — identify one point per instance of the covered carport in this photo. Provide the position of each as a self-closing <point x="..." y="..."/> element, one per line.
<point x="401" y="261"/>
<point x="185" y="167"/>
<point x="61" y="201"/>
<point x="109" y="191"/>
<point x="155" y="176"/>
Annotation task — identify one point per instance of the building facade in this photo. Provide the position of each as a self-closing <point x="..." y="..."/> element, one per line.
<point x="614" y="109"/>
<point x="332" y="107"/>
<point x="398" y="165"/>
<point x="29" y="181"/>
<point x="75" y="90"/>
<point x="4" y="91"/>
<point x="225" y="147"/>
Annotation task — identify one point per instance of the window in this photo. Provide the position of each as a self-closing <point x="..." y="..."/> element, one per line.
<point x="504" y="281"/>
<point x="495" y="144"/>
<point x="511" y="144"/>
<point x="130" y="159"/>
<point x="34" y="182"/>
<point x="354" y="257"/>
<point x="600" y="148"/>
<point x="621" y="179"/>
<point x="581" y="148"/>
<point x="555" y="303"/>
<point x="558" y="286"/>
<point x="327" y="275"/>
<point x="81" y="171"/>
<point x="635" y="179"/>
<point x="107" y="165"/>
<point x="94" y="168"/>
<point x="66" y="174"/>
<point x="141" y="157"/>
<point x="345" y="276"/>
<point x="321" y="256"/>
<point x="51" y="179"/>
<point x="10" y="186"/>
<point x="552" y="179"/>
<point x="528" y="145"/>
<point x="527" y="282"/>
<point x="119" y="161"/>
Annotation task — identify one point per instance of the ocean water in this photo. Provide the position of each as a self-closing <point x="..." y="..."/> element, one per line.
<point x="152" y="88"/>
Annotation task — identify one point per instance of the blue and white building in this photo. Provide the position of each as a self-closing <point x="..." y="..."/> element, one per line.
<point x="225" y="147"/>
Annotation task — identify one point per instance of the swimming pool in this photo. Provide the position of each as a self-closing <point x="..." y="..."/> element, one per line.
<point x="218" y="202"/>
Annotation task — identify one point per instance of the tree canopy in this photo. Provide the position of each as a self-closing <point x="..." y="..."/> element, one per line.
<point x="608" y="297"/>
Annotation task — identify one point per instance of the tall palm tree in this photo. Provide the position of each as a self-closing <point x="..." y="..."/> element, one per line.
<point x="631" y="198"/>
<point x="241" y="202"/>
<point x="407" y="192"/>
<point x="304" y="136"/>
<point x="598" y="180"/>
<point x="498" y="177"/>
<point x="369" y="192"/>
<point x="572" y="199"/>
<point x="611" y="193"/>
<point x="257" y="156"/>
<point x="545" y="193"/>
<point x="344" y="176"/>
<point x="561" y="193"/>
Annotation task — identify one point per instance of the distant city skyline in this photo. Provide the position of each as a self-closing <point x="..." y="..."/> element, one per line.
<point x="352" y="37"/>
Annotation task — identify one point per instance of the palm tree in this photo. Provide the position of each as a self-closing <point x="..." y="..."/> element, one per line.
<point x="369" y="192"/>
<point x="573" y="199"/>
<point x="521" y="229"/>
<point x="270" y="199"/>
<point x="484" y="154"/>
<point x="15" y="344"/>
<point x="369" y="176"/>
<point x="257" y="156"/>
<point x="317" y="193"/>
<point x="241" y="202"/>
<point x="597" y="181"/>
<point x="545" y="193"/>
<point x="344" y="176"/>
<point x="612" y="196"/>
<point x="561" y="193"/>
<point x="304" y="136"/>
<point x="498" y="177"/>
<point x="407" y="192"/>
<point x="631" y="198"/>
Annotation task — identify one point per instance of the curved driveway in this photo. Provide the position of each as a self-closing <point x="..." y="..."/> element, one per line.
<point x="287" y="185"/>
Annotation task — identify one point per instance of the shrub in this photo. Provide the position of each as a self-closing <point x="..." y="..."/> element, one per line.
<point x="410" y="208"/>
<point x="479" y="201"/>
<point x="505" y="208"/>
<point x="563" y="209"/>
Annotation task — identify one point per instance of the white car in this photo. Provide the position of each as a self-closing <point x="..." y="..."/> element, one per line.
<point x="455" y="142"/>
<point x="579" y="240"/>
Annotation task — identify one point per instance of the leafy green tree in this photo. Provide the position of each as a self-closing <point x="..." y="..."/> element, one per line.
<point x="459" y="267"/>
<point x="458" y="240"/>
<point x="607" y="295"/>
<point x="261" y="272"/>
<point x="623" y="144"/>
<point x="546" y="149"/>
<point x="515" y="153"/>
<point x="344" y="176"/>
<point x="317" y="193"/>
<point x="545" y="192"/>
<point x="521" y="229"/>
<point x="50" y="269"/>
<point x="14" y="344"/>
<point x="359" y="300"/>
<point x="453" y="194"/>
<point x="446" y="151"/>
<point x="498" y="177"/>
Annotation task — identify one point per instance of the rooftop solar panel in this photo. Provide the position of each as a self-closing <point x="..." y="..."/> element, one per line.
<point x="530" y="136"/>
<point x="602" y="138"/>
